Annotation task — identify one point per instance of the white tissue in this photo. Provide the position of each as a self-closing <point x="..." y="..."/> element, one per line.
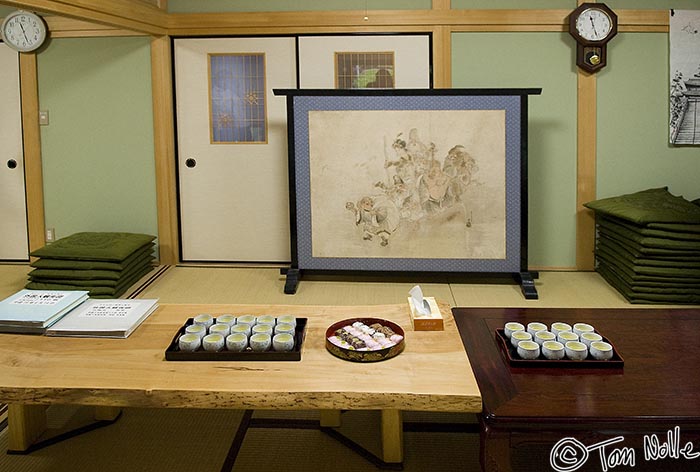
<point x="421" y="304"/>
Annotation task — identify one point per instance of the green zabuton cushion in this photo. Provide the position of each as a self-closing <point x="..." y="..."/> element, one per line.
<point x="95" y="246"/>
<point x="655" y="205"/>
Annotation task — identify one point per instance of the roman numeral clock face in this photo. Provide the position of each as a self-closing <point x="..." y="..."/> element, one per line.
<point x="23" y="31"/>
<point x="592" y="25"/>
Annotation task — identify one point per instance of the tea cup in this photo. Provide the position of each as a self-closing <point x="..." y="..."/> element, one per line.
<point x="189" y="342"/>
<point x="236" y="342"/>
<point x="601" y="350"/>
<point x="198" y="329"/>
<point x="542" y="336"/>
<point x="213" y="342"/>
<point x="265" y="320"/>
<point x="284" y="328"/>
<point x="580" y="328"/>
<point x="260" y="342"/>
<point x="553" y="350"/>
<point x="576" y="350"/>
<point x="512" y="327"/>
<point x="226" y="318"/>
<point x="588" y="337"/>
<point x="262" y="328"/>
<point x="283" y="342"/>
<point x="220" y="328"/>
<point x="204" y="319"/>
<point x="287" y="319"/>
<point x="241" y="328"/>
<point x="536" y="326"/>
<point x="528" y="350"/>
<point x="246" y="319"/>
<point x="566" y="336"/>
<point x="558" y="326"/>
<point x="518" y="336"/>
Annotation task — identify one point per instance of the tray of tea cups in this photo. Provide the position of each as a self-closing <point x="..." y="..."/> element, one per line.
<point x="570" y="346"/>
<point x="198" y="339"/>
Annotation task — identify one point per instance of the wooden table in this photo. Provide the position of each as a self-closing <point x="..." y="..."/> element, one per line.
<point x="657" y="390"/>
<point x="432" y="374"/>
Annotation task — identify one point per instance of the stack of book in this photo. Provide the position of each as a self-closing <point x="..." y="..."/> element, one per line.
<point x="104" y="264"/>
<point x="30" y="311"/>
<point x="72" y="313"/>
<point x="104" y="318"/>
<point x="648" y="246"/>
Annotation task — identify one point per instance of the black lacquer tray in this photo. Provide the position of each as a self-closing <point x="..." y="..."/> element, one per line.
<point x="173" y="352"/>
<point x="510" y="353"/>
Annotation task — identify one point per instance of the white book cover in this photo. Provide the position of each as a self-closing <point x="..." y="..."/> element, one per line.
<point x="104" y="318"/>
<point x="38" y="308"/>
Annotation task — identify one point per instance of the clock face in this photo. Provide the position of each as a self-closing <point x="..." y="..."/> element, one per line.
<point x="23" y="31"/>
<point x="593" y="24"/>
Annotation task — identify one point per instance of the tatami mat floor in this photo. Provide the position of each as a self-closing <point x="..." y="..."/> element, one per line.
<point x="198" y="440"/>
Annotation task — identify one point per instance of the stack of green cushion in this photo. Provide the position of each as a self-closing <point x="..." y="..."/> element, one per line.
<point x="648" y="246"/>
<point x="105" y="264"/>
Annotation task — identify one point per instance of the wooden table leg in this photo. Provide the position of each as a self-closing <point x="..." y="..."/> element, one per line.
<point x="106" y="413"/>
<point x="494" y="453"/>
<point x="392" y="436"/>
<point x="25" y="424"/>
<point x="330" y="419"/>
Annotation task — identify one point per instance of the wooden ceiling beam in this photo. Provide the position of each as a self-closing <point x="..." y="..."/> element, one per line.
<point x="131" y="15"/>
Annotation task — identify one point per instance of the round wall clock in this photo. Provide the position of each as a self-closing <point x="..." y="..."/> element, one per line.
<point x="23" y="31"/>
<point x="592" y="25"/>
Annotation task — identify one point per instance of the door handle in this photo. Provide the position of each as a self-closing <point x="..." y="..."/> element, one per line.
<point x="12" y="163"/>
<point x="190" y="162"/>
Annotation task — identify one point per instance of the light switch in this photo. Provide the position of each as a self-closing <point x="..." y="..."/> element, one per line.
<point x="43" y="117"/>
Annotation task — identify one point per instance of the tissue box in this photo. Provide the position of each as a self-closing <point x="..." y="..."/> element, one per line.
<point x="431" y="322"/>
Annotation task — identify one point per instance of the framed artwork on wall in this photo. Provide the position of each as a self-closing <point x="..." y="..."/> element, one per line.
<point x="408" y="180"/>
<point x="684" y="68"/>
<point x="365" y="61"/>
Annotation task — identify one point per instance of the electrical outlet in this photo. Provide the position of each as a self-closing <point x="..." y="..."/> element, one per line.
<point x="50" y="235"/>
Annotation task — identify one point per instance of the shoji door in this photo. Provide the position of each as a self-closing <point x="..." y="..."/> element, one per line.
<point x="14" y="245"/>
<point x="232" y="147"/>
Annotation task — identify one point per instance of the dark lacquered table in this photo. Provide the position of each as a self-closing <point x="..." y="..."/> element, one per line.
<point x="590" y="418"/>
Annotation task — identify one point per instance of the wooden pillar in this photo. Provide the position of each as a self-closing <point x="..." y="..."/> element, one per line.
<point x="586" y="152"/>
<point x="585" y="170"/>
<point x="164" y="148"/>
<point x="31" y="141"/>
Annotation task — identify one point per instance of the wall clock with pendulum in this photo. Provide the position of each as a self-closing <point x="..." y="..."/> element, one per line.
<point x="592" y="25"/>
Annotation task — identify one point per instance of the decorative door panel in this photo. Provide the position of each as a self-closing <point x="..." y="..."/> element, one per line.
<point x="232" y="148"/>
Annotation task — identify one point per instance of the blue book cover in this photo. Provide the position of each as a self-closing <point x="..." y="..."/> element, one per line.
<point x="38" y="308"/>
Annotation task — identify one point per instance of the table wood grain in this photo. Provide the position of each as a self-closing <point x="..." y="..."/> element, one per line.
<point x="528" y="410"/>
<point x="660" y="348"/>
<point x="432" y="374"/>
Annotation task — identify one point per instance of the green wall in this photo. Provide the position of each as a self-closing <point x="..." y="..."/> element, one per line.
<point x="97" y="151"/>
<point x="541" y="60"/>
<point x="633" y="149"/>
